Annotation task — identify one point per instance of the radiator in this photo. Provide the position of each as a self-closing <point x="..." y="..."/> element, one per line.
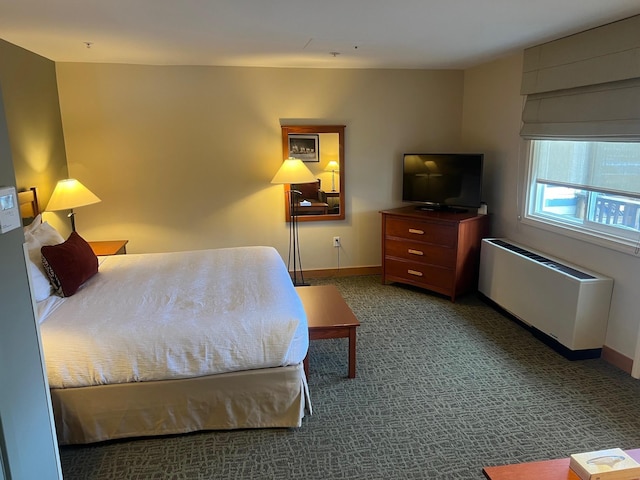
<point x="563" y="301"/>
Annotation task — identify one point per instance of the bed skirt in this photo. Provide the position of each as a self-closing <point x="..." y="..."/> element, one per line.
<point x="266" y="398"/>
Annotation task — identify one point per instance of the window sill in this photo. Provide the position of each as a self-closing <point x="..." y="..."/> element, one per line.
<point x="623" y="245"/>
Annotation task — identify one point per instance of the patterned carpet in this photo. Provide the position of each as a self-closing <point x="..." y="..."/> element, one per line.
<point x="442" y="390"/>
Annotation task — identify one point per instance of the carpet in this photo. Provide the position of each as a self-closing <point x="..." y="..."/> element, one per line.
<point x="442" y="389"/>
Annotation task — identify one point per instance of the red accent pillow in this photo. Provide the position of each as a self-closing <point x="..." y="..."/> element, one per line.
<point x="69" y="264"/>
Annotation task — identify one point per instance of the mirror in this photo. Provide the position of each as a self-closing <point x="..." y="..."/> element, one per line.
<point x="321" y="148"/>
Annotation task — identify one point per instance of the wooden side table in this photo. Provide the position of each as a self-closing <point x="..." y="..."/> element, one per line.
<point x="316" y="208"/>
<point x="557" y="469"/>
<point x="329" y="316"/>
<point x="109" y="247"/>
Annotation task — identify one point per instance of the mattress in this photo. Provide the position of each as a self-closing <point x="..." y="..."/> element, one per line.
<point x="150" y="317"/>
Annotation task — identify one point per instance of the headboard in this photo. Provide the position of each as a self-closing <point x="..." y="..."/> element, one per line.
<point x="28" y="201"/>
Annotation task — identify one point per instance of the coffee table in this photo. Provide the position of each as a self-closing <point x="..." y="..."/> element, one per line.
<point x="547" y="469"/>
<point x="329" y="316"/>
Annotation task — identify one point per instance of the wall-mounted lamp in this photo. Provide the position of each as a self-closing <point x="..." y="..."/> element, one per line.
<point x="70" y="194"/>
<point x="293" y="171"/>
<point x="332" y="167"/>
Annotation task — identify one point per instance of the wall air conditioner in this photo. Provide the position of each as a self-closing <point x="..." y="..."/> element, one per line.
<point x="565" y="302"/>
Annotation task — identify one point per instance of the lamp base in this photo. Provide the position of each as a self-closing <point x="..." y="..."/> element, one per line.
<point x="301" y="284"/>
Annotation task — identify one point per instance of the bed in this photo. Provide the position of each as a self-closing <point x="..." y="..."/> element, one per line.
<point x="167" y="343"/>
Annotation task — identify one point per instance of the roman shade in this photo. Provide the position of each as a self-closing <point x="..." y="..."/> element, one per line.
<point x="586" y="85"/>
<point x="610" y="168"/>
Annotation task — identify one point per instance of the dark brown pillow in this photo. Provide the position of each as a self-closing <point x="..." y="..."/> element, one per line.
<point x="69" y="264"/>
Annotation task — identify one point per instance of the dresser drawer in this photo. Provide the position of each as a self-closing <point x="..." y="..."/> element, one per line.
<point x="421" y="231"/>
<point x="428" y="275"/>
<point x="420" y="252"/>
<point x="438" y="251"/>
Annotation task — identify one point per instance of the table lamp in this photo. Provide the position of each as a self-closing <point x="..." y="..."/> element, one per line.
<point x="69" y="194"/>
<point x="332" y="167"/>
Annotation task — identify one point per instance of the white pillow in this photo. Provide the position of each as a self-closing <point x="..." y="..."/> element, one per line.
<point x="37" y="220"/>
<point x="46" y="234"/>
<point x="41" y="234"/>
<point x="41" y="286"/>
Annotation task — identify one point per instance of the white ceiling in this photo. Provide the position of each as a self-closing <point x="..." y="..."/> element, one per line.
<point x="419" y="34"/>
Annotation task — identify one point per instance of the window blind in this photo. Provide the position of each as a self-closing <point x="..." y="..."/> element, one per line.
<point x="603" y="111"/>
<point x="608" y="167"/>
<point x="584" y="86"/>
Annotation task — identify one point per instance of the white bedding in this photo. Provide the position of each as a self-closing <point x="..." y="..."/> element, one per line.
<point x="176" y="315"/>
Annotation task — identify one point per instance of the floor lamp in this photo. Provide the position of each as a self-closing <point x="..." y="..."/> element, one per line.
<point x="293" y="171"/>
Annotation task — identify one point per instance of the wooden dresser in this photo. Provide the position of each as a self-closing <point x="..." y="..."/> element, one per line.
<point x="435" y="250"/>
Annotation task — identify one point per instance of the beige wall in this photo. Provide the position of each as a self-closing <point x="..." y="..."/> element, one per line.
<point x="491" y="119"/>
<point x="33" y="116"/>
<point x="182" y="157"/>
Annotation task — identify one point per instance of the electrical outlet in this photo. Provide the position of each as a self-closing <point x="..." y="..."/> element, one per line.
<point x="336" y="241"/>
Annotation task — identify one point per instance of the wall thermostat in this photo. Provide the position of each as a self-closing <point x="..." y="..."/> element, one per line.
<point x="9" y="211"/>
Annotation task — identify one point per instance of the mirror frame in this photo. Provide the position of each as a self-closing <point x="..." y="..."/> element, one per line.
<point x="310" y="129"/>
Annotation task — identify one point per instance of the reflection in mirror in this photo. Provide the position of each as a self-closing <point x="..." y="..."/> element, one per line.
<point x="321" y="148"/>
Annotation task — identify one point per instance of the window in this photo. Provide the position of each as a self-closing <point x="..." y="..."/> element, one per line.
<point x="581" y="119"/>
<point x="586" y="186"/>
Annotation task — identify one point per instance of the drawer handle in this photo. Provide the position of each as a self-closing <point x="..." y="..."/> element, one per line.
<point x="416" y="231"/>
<point x="415" y="252"/>
<point x="414" y="272"/>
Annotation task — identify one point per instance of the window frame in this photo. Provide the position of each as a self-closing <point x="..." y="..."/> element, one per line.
<point x="587" y="230"/>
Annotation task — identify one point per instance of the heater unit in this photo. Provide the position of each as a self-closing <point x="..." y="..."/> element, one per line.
<point x="564" y="302"/>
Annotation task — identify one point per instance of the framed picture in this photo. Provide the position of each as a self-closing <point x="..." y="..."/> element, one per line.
<point x="304" y="146"/>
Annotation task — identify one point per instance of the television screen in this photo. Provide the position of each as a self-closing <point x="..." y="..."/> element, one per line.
<point x="442" y="180"/>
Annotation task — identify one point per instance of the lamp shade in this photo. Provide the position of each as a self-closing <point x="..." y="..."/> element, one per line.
<point x="70" y="194"/>
<point x="332" y="166"/>
<point x="293" y="170"/>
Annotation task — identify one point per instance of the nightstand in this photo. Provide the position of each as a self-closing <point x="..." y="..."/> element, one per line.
<point x="109" y="247"/>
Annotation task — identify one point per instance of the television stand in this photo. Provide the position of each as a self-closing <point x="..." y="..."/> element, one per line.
<point x="435" y="250"/>
<point x="441" y="208"/>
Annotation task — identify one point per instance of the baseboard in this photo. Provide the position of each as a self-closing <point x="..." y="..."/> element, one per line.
<point x="343" y="272"/>
<point x="565" y="351"/>
<point x="617" y="359"/>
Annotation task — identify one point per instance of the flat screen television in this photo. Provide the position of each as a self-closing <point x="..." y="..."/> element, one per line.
<point x="442" y="181"/>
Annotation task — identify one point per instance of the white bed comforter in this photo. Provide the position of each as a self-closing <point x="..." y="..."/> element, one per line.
<point x="176" y="315"/>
